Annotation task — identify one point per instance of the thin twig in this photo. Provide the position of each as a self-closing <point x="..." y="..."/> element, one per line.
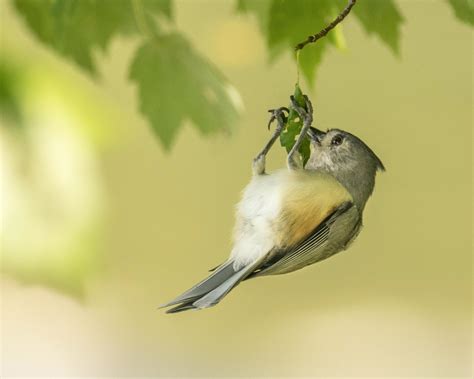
<point x="327" y="29"/>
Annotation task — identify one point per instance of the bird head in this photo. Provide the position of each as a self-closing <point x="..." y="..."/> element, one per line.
<point x="347" y="158"/>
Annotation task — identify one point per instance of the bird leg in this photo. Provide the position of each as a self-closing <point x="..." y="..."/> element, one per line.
<point x="258" y="165"/>
<point x="293" y="160"/>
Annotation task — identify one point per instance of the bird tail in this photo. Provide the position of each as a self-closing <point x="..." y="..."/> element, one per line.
<point x="211" y="290"/>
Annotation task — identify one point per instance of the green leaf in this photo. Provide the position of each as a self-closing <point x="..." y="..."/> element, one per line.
<point x="288" y="22"/>
<point x="464" y="10"/>
<point x="51" y="226"/>
<point x="74" y="28"/>
<point x="309" y="60"/>
<point x="259" y="7"/>
<point x="291" y="22"/>
<point x="10" y="103"/>
<point x="293" y="128"/>
<point x="176" y="84"/>
<point x="382" y="18"/>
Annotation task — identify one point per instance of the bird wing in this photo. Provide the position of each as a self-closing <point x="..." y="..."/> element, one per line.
<point x="312" y="203"/>
<point x="308" y="199"/>
<point x="342" y="225"/>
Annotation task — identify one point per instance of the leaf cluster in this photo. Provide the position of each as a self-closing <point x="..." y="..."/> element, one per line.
<point x="175" y="82"/>
<point x="286" y="23"/>
<point x="294" y="124"/>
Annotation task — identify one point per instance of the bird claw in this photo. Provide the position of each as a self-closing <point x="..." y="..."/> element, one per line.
<point x="279" y="115"/>
<point x="306" y="113"/>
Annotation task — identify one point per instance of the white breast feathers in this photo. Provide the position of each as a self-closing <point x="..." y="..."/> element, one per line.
<point x="256" y="214"/>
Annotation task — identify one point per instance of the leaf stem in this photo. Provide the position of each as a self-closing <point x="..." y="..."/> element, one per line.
<point x="298" y="67"/>
<point x="313" y="38"/>
<point x="140" y="18"/>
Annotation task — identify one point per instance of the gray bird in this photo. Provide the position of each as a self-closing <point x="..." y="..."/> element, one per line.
<point x="296" y="216"/>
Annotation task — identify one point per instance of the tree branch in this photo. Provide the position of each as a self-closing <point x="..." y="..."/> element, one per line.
<point x="327" y="29"/>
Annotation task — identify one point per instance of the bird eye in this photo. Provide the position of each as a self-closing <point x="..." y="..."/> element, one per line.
<point x="337" y="140"/>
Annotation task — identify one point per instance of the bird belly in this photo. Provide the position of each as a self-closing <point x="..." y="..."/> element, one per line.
<point x="256" y="213"/>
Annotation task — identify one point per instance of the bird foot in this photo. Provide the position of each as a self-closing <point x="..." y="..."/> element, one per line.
<point x="280" y="116"/>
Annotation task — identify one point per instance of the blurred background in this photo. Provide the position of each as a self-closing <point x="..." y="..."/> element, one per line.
<point x="119" y="176"/>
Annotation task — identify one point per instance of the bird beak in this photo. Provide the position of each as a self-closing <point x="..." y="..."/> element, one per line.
<point x="315" y="134"/>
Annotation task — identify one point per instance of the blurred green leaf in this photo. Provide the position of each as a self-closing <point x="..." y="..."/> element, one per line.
<point x="259" y="8"/>
<point x="382" y="18"/>
<point x="176" y="84"/>
<point x="10" y="103"/>
<point x="290" y="22"/>
<point x="52" y="188"/>
<point x="66" y="270"/>
<point x="73" y="28"/>
<point x="293" y="129"/>
<point x="464" y="10"/>
<point x="285" y="23"/>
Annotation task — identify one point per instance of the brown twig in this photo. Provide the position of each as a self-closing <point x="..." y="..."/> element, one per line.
<point x="327" y="29"/>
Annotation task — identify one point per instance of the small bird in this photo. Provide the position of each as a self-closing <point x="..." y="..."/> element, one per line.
<point x="296" y="216"/>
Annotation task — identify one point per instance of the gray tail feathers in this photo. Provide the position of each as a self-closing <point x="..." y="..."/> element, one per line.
<point x="212" y="289"/>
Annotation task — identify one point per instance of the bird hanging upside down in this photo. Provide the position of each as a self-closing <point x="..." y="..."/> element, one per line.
<point x="297" y="216"/>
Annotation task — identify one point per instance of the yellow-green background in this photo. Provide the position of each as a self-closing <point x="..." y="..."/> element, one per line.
<point x="398" y="303"/>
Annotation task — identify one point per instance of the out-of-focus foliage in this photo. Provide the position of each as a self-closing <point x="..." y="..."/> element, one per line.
<point x="259" y="7"/>
<point x="308" y="16"/>
<point x="75" y="28"/>
<point x="464" y="10"/>
<point x="197" y="90"/>
<point x="286" y="23"/>
<point x="171" y="89"/>
<point x="51" y="186"/>
<point x="381" y="18"/>
<point x="10" y="104"/>
<point x="293" y="129"/>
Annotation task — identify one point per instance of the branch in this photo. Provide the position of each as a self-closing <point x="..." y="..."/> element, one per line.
<point x="327" y="29"/>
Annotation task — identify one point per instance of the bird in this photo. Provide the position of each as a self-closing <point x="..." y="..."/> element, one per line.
<point x="295" y="216"/>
